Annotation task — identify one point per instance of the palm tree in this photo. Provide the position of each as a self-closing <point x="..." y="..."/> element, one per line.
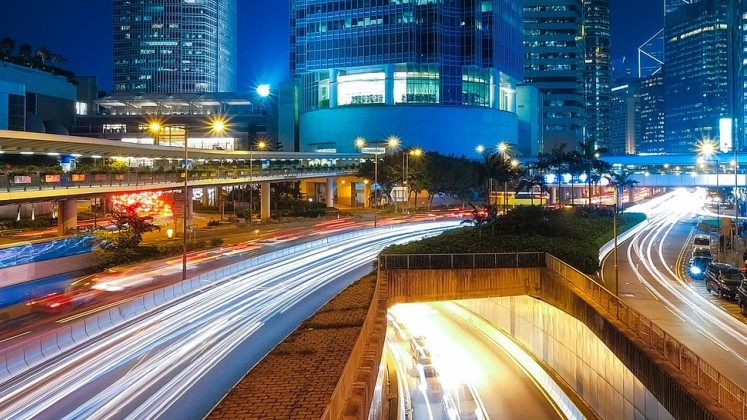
<point x="557" y="160"/>
<point x="528" y="183"/>
<point x="588" y="159"/>
<point x="7" y="45"/>
<point x="621" y="181"/>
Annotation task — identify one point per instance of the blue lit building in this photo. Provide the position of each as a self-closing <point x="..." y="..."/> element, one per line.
<point x="174" y="46"/>
<point x="696" y="72"/>
<point x="438" y="75"/>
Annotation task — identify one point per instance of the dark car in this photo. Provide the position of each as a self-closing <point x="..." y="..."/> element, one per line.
<point x="742" y="297"/>
<point x="698" y="266"/>
<point x="724" y="279"/>
<point x="702" y="252"/>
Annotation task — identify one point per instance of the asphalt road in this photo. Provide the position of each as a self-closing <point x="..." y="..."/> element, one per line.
<point x="177" y="361"/>
<point x="651" y="280"/>
<point x="502" y="390"/>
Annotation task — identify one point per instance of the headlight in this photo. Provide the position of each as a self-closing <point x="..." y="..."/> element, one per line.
<point x="695" y="270"/>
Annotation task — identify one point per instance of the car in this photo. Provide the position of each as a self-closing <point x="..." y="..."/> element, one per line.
<point x="421" y="357"/>
<point x="724" y="279"/>
<point x="63" y="302"/>
<point x="742" y="297"/>
<point x="463" y="405"/>
<point x="417" y="342"/>
<point x="698" y="265"/>
<point x="702" y="241"/>
<point x="702" y="252"/>
<point x="429" y="381"/>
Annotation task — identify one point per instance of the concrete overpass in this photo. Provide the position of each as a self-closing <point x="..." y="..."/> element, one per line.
<point x="602" y="350"/>
<point x="249" y="167"/>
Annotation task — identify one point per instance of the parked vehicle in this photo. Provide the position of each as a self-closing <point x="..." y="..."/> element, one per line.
<point x="698" y="266"/>
<point x="702" y="241"/>
<point x="742" y="297"/>
<point x="724" y="279"/>
<point x="702" y="252"/>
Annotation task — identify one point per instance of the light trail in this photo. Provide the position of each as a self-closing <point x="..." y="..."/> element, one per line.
<point x="140" y="369"/>
<point x="647" y="261"/>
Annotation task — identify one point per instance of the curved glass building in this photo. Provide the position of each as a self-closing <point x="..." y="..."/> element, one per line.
<point x="174" y="46"/>
<point x="438" y="75"/>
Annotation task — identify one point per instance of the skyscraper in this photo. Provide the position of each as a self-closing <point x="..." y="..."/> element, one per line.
<point x="439" y="75"/>
<point x="554" y="64"/>
<point x="174" y="46"/>
<point x="651" y="98"/>
<point x="598" y="71"/>
<point x="696" y="73"/>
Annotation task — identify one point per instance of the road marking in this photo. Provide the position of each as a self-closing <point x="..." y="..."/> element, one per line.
<point x="93" y="311"/>
<point x="15" y="336"/>
<point x="650" y="292"/>
<point x="673" y="313"/>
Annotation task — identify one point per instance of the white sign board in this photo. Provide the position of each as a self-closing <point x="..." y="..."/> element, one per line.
<point x="373" y="150"/>
<point x="724" y="134"/>
<point x="399" y="194"/>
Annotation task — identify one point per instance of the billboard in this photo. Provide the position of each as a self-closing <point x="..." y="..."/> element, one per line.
<point x="724" y="134"/>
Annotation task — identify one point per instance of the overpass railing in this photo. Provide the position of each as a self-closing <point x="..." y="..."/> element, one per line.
<point x="728" y="394"/>
<point x="41" y="181"/>
<point x="455" y="261"/>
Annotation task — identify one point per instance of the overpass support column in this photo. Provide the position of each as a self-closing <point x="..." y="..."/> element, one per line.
<point x="265" y="200"/>
<point x="205" y="196"/>
<point x="330" y="192"/>
<point x="366" y="194"/>
<point x="553" y="195"/>
<point x="631" y="195"/>
<point x="67" y="216"/>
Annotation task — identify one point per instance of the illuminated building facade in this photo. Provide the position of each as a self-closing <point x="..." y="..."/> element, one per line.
<point x="438" y="75"/>
<point x="597" y="71"/>
<point x="695" y="73"/>
<point x="174" y="46"/>
<point x="651" y="98"/>
<point x="554" y="64"/>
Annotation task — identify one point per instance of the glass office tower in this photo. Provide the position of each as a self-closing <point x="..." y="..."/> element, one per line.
<point x="598" y="72"/>
<point x="695" y="74"/>
<point x="174" y="46"/>
<point x="554" y="64"/>
<point x="439" y="75"/>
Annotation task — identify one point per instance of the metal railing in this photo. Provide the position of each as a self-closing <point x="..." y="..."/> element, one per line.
<point x="456" y="261"/>
<point x="40" y="181"/>
<point x="728" y="394"/>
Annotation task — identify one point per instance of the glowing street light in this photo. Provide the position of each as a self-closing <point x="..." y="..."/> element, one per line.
<point x="416" y="153"/>
<point x="707" y="148"/>
<point x="263" y="90"/>
<point x="217" y="126"/>
<point x="261" y="145"/>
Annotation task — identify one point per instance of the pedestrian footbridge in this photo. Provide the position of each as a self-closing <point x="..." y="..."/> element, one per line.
<point x="622" y="364"/>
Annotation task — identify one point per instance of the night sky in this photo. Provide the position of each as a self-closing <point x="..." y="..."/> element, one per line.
<point x="81" y="30"/>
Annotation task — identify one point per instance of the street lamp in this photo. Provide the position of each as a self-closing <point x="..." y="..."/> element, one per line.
<point x="261" y="145"/>
<point x="706" y="149"/>
<point x="416" y="152"/>
<point x="216" y="126"/>
<point x="503" y="148"/>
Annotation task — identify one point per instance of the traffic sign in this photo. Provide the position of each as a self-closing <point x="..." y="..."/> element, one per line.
<point x="373" y="150"/>
<point x="179" y="205"/>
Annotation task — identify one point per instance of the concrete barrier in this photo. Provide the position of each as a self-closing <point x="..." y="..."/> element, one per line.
<point x="91" y="324"/>
<point x="148" y="302"/>
<point x="159" y="295"/>
<point x="15" y="362"/>
<point x="78" y="332"/>
<point x="65" y="338"/>
<point x="32" y="353"/>
<point x="49" y="346"/>
<point x="4" y="372"/>
<point x="104" y="319"/>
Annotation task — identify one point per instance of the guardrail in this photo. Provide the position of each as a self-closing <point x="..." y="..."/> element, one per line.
<point x="19" y="359"/>
<point x="456" y="261"/>
<point x="724" y="391"/>
<point x="40" y="181"/>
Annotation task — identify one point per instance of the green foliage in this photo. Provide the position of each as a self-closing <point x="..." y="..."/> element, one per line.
<point x="131" y="226"/>
<point x="213" y="222"/>
<point x="573" y="235"/>
<point x="216" y="242"/>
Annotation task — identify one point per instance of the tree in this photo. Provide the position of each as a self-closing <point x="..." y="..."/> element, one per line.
<point x="43" y="55"/>
<point x="25" y="52"/>
<point x="527" y="183"/>
<point x="588" y="161"/>
<point x="7" y="46"/>
<point x="557" y="161"/>
<point x="131" y="226"/>
<point x="621" y="181"/>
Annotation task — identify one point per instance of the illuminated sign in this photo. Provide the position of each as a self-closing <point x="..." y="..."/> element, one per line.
<point x="724" y="127"/>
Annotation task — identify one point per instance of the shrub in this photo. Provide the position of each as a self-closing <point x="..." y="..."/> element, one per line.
<point x="216" y="242"/>
<point x="213" y="222"/>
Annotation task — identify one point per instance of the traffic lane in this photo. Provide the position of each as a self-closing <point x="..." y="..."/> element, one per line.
<point x="213" y="315"/>
<point x="152" y="272"/>
<point x="461" y="355"/>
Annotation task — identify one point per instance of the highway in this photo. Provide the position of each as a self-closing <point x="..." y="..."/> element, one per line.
<point x="649" y="264"/>
<point x="463" y="358"/>
<point x="172" y="362"/>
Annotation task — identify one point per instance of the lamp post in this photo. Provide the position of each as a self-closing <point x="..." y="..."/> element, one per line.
<point x="261" y="145"/>
<point x="503" y="148"/>
<point x="416" y="152"/>
<point x="614" y="233"/>
<point x="707" y="149"/>
<point x="216" y="126"/>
